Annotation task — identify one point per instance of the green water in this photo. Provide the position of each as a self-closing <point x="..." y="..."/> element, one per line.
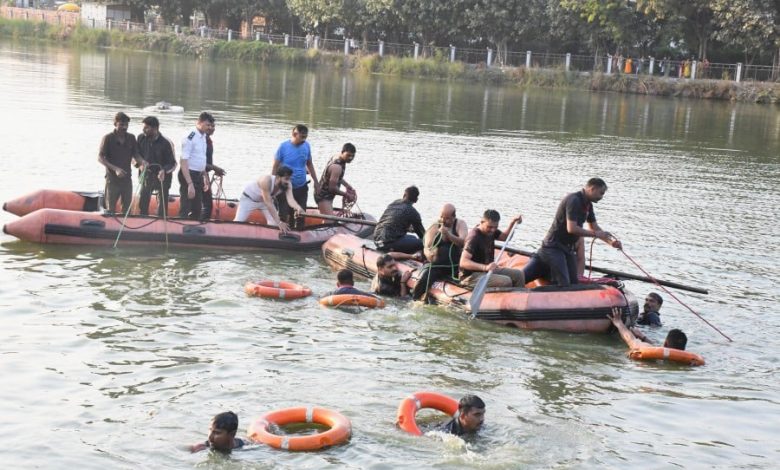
<point x="118" y="358"/>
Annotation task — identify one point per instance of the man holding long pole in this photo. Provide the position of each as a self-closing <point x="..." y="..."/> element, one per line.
<point x="557" y="258"/>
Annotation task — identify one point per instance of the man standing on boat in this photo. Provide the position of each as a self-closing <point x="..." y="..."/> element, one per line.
<point x="333" y="179"/>
<point x="192" y="172"/>
<point x="296" y="154"/>
<point x="208" y="200"/>
<point x="117" y="150"/>
<point x="158" y="153"/>
<point x="479" y="254"/>
<point x="390" y="233"/>
<point x="557" y="257"/>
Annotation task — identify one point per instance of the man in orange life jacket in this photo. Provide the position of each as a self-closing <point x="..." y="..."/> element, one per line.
<point x="557" y="259"/>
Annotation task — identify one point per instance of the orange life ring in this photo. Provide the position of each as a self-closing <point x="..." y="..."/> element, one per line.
<point x="409" y="407"/>
<point x="668" y="354"/>
<point x="340" y="428"/>
<point x="276" y="290"/>
<point x="352" y="299"/>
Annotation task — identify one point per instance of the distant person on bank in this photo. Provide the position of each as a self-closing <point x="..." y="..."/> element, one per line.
<point x="388" y="280"/>
<point x="470" y="417"/>
<point x="390" y="233"/>
<point x="478" y="257"/>
<point x="557" y="258"/>
<point x="117" y="150"/>
<point x="296" y="154"/>
<point x="333" y="179"/>
<point x="193" y="179"/>
<point x="222" y="434"/>
<point x="157" y="151"/>
<point x="263" y="193"/>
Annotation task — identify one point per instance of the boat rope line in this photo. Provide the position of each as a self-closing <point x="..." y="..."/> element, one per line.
<point x="129" y="206"/>
<point x="590" y="259"/>
<point x="220" y="195"/>
<point x="674" y="296"/>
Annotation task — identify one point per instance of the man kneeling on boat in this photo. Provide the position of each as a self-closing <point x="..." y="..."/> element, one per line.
<point x="390" y="232"/>
<point x="557" y="258"/>
<point x="479" y="254"/>
<point x="260" y="194"/>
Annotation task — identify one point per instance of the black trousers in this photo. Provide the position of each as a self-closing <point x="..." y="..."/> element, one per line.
<point x="150" y="184"/>
<point x="286" y="213"/>
<point x="556" y="263"/>
<point x="191" y="208"/>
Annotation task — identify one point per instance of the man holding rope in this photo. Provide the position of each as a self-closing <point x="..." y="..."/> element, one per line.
<point x="557" y="257"/>
<point x="208" y="199"/>
<point x="158" y="153"/>
<point x="442" y="245"/>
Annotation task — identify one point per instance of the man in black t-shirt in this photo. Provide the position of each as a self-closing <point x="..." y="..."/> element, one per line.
<point x="557" y="259"/>
<point x="400" y="217"/>
<point x="478" y="257"/>
<point x="470" y="417"/>
<point x="222" y="434"/>
<point x="388" y="280"/>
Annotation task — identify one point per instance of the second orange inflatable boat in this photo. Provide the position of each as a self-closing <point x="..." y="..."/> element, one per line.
<point x="581" y="308"/>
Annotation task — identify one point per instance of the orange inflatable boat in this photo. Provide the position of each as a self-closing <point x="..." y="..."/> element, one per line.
<point x="93" y="228"/>
<point x="223" y="209"/>
<point x="581" y="308"/>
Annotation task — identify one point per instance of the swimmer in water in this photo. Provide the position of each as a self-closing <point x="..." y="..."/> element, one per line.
<point x="222" y="434"/>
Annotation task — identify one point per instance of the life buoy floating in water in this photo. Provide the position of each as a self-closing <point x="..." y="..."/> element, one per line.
<point x="340" y="428"/>
<point x="276" y="290"/>
<point x="409" y="407"/>
<point x="668" y="354"/>
<point x="352" y="300"/>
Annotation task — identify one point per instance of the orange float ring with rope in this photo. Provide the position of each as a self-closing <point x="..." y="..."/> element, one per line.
<point x="667" y="354"/>
<point x="340" y="428"/>
<point x="409" y="407"/>
<point x="340" y="300"/>
<point x="276" y="290"/>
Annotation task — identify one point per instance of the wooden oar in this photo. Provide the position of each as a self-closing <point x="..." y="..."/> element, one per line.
<point x="340" y="219"/>
<point x="623" y="275"/>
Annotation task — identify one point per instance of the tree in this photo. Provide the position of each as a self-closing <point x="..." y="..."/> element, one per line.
<point x="505" y="21"/>
<point x="696" y="17"/>
<point x="316" y="15"/>
<point x="753" y="25"/>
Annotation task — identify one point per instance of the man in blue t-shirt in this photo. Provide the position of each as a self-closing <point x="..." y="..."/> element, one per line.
<point x="296" y="154"/>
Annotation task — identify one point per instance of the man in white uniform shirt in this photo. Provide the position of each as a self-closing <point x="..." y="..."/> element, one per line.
<point x="192" y="173"/>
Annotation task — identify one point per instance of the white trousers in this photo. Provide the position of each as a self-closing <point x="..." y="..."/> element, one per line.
<point x="246" y="206"/>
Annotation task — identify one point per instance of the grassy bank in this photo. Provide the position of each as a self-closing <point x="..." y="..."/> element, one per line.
<point x="435" y="68"/>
